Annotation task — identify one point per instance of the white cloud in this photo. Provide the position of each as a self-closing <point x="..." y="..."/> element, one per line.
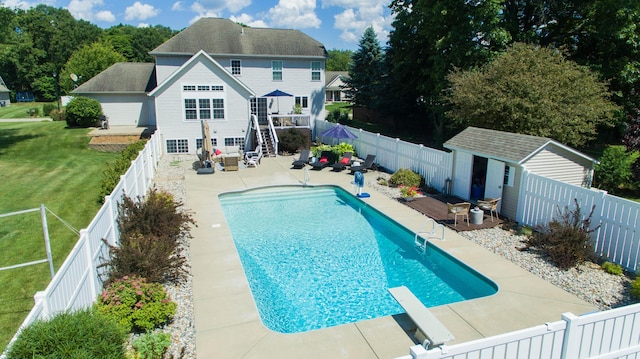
<point x="248" y="20"/>
<point x="83" y="9"/>
<point x="177" y="6"/>
<point x="19" y="4"/>
<point x="218" y="6"/>
<point x="140" y="11"/>
<point x="296" y="14"/>
<point x="105" y="16"/>
<point x="353" y="21"/>
<point x="142" y="24"/>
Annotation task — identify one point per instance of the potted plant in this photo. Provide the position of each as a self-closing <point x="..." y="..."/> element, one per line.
<point x="408" y="192"/>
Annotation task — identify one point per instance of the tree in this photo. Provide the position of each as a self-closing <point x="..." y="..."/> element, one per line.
<point x="87" y="62"/>
<point x="613" y="173"/>
<point x="535" y="91"/>
<point x="339" y="60"/>
<point x="135" y="43"/>
<point x="365" y="71"/>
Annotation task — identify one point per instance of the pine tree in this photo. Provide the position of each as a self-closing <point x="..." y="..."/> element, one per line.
<point x="365" y="71"/>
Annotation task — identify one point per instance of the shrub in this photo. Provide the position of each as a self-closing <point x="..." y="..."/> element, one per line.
<point x="343" y="147"/>
<point x="111" y="175"/>
<point x="292" y="140"/>
<point x="149" y="245"/>
<point x="83" y="112"/>
<point x="151" y="345"/>
<point x="566" y="239"/>
<point x="58" y="115"/>
<point x="405" y="177"/>
<point x="318" y="149"/>
<point x="47" y="108"/>
<point x="635" y="288"/>
<point x="334" y="115"/>
<point x="136" y="304"/>
<point x="613" y="172"/>
<point x="33" y="112"/>
<point x="81" y="334"/>
<point x="612" y="268"/>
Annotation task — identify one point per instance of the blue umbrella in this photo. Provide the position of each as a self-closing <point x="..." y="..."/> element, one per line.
<point x="339" y="132"/>
<point x="278" y="93"/>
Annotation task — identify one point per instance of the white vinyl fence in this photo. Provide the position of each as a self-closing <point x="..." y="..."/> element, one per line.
<point x="618" y="238"/>
<point x="77" y="283"/>
<point x="393" y="154"/>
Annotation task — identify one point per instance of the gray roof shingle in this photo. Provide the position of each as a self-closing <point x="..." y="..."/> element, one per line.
<point x="225" y="37"/>
<point x="331" y="75"/>
<point x="512" y="147"/>
<point x="122" y="77"/>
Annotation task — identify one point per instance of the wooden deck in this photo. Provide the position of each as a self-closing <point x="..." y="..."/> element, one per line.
<point x="435" y="207"/>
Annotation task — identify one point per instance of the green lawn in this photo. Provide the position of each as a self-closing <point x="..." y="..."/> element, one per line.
<point x="41" y="162"/>
<point x="19" y="109"/>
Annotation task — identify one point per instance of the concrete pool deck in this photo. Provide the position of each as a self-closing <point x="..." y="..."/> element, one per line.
<point x="227" y="321"/>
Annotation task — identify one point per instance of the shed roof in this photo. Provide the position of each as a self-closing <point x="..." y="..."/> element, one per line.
<point x="225" y="37"/>
<point x="506" y="146"/>
<point x="121" y="77"/>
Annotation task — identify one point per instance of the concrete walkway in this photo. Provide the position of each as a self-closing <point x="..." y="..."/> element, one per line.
<point x="227" y="321"/>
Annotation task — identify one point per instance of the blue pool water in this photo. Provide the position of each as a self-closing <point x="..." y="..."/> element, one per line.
<point x="317" y="257"/>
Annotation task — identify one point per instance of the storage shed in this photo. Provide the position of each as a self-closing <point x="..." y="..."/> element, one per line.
<point x="5" y="94"/>
<point x="489" y="164"/>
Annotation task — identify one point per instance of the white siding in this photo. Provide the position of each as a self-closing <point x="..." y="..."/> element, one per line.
<point x="509" y="203"/>
<point x="126" y="109"/>
<point x="558" y="164"/>
<point x="166" y="65"/>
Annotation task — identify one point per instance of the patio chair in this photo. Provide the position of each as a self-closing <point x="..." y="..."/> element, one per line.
<point x="458" y="209"/>
<point x="343" y="163"/>
<point x="327" y="158"/>
<point x="367" y="165"/>
<point x="302" y="160"/>
<point x="491" y="205"/>
<point x="252" y="158"/>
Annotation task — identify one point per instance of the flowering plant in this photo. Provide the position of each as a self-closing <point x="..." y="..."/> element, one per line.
<point x="408" y="191"/>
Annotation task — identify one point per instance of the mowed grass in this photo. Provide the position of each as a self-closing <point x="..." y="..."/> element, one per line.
<point x="19" y="109"/>
<point x="41" y="163"/>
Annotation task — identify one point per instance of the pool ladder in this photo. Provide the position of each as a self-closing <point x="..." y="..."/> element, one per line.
<point x="422" y="235"/>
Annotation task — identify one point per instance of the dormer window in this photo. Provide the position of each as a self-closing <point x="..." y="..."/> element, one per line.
<point x="236" y="67"/>
<point x="276" y="69"/>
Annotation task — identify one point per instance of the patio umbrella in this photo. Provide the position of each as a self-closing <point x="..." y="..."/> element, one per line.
<point x="207" y="147"/>
<point x="339" y="132"/>
<point x="277" y="94"/>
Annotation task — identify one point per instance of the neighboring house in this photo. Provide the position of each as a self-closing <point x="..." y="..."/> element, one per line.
<point x="219" y="71"/>
<point x="5" y="94"/>
<point x="334" y="86"/>
<point x="489" y="164"/>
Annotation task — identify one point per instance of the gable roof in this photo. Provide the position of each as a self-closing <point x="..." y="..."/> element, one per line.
<point x="506" y="146"/>
<point x="3" y="86"/>
<point x="331" y="76"/>
<point x="225" y="37"/>
<point x="182" y="69"/>
<point x="121" y="77"/>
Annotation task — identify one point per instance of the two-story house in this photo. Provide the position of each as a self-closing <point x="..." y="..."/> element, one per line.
<point x="218" y="71"/>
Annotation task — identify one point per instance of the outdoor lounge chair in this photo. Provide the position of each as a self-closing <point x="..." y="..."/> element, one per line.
<point x="458" y="209"/>
<point x="343" y="163"/>
<point x="252" y="158"/>
<point x="367" y="165"/>
<point x="302" y="160"/>
<point x="491" y="205"/>
<point x="327" y="158"/>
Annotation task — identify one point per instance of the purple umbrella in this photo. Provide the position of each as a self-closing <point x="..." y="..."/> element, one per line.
<point x="339" y="132"/>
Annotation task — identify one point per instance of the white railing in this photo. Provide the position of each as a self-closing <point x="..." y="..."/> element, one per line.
<point x="618" y="238"/>
<point x="609" y="334"/>
<point x="392" y="153"/>
<point x="78" y="281"/>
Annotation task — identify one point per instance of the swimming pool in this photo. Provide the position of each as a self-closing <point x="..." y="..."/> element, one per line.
<point x="317" y="257"/>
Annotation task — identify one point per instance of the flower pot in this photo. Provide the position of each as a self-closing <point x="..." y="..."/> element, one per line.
<point x="408" y="198"/>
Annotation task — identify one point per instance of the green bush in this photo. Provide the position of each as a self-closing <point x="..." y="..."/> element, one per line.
<point x="635" y="288"/>
<point x="58" y="115"/>
<point x="149" y="245"/>
<point x="405" y="177"/>
<point x="83" y="112"/>
<point x="151" y="345"/>
<point x="316" y="151"/>
<point x="612" y="268"/>
<point x="292" y="140"/>
<point x="334" y="115"/>
<point x="33" y="112"/>
<point x="47" y="108"/>
<point x="136" y="304"/>
<point x="343" y="147"/>
<point x="113" y="171"/>
<point x="566" y="238"/>
<point x="81" y="334"/>
<point x="613" y="173"/>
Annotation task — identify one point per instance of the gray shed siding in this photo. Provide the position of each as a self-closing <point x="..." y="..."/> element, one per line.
<point x="509" y="202"/>
<point x="559" y="164"/>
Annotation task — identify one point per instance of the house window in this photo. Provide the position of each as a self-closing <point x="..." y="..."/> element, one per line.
<point x="315" y="70"/>
<point x="214" y="142"/>
<point x="302" y="101"/>
<point x="218" y="108"/>
<point x="190" y="111"/>
<point x="188" y="88"/>
<point x="235" y="141"/>
<point x="236" y="67"/>
<point x="203" y="87"/>
<point x="276" y="69"/>
<point x="217" y="88"/>
<point x="178" y="146"/>
<point x="509" y="174"/>
<point x="205" y="108"/>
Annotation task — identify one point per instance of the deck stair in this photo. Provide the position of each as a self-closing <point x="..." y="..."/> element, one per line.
<point x="267" y="144"/>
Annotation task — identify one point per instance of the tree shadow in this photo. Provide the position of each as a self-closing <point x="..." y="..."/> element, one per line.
<point x="10" y="137"/>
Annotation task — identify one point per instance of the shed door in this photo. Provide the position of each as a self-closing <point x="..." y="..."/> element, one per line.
<point x="495" y="179"/>
<point x="462" y="175"/>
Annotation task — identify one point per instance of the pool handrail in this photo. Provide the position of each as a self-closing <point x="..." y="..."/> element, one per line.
<point x="429" y="234"/>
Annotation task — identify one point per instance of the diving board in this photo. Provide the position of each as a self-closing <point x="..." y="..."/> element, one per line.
<point x="430" y="332"/>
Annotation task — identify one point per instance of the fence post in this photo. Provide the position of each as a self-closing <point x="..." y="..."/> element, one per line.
<point x="92" y="266"/>
<point x="571" y="339"/>
<point x="47" y="241"/>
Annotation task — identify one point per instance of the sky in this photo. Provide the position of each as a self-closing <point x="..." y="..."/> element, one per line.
<point x="338" y="24"/>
